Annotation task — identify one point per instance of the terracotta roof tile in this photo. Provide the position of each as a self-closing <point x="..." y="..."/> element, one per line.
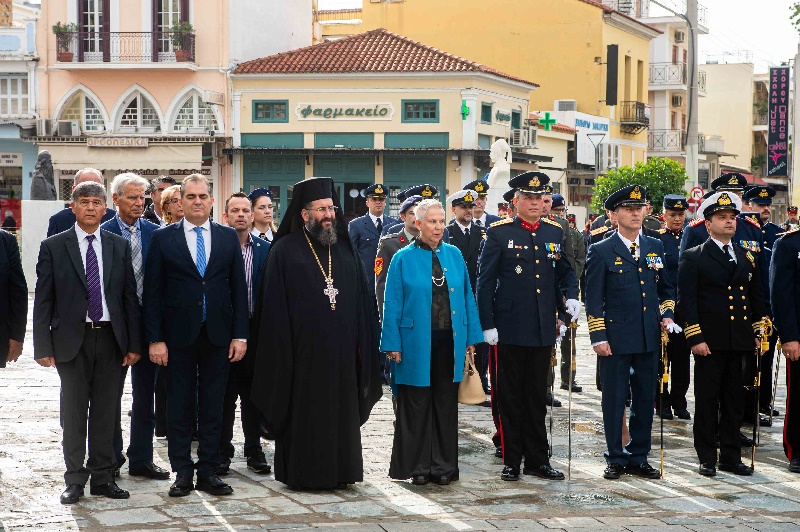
<point x="560" y="128"/>
<point x="373" y="51"/>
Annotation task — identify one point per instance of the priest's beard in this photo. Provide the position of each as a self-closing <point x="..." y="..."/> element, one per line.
<point x="326" y="237"/>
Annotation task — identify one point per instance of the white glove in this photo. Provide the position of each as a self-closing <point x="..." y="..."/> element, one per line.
<point x="674" y="328"/>
<point x="573" y="308"/>
<point x="491" y="337"/>
<point x="561" y="332"/>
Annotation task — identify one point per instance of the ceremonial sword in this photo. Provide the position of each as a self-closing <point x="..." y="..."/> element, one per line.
<point x="664" y="380"/>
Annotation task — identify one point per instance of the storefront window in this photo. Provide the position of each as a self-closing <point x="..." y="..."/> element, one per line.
<point x="420" y="110"/>
<point x="194" y="114"/>
<point x="270" y="111"/>
<point x="13" y="94"/>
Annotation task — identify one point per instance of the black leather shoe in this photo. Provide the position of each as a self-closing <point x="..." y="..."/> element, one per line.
<point x="213" y="486"/>
<point x="707" y="470"/>
<point x="487" y="403"/>
<point x="498" y="452"/>
<point x="110" y="490"/>
<point x="224" y="466"/>
<point x="794" y="465"/>
<point x="181" y="487"/>
<point x="258" y="464"/>
<point x="150" y="471"/>
<point x="766" y="409"/>
<point x="765" y="422"/>
<point x="643" y="470"/>
<point x="510" y="473"/>
<point x="666" y="413"/>
<point x="682" y="413"/>
<point x="613" y="471"/>
<point x="544" y="471"/>
<point x="420" y="480"/>
<point x="444" y="480"/>
<point x="745" y="441"/>
<point x="749" y="419"/>
<point x="552" y="401"/>
<point x="575" y="387"/>
<point x="72" y="494"/>
<point x="736" y="469"/>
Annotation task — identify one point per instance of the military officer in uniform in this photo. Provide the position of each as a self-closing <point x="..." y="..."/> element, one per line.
<point x="792" y="222"/>
<point x="365" y="231"/>
<point x="720" y="300"/>
<point x="628" y="302"/>
<point x="759" y="198"/>
<point x="479" y="214"/>
<point x="522" y="272"/>
<point x="784" y="281"/>
<point x="651" y="222"/>
<point x="508" y="197"/>
<point x="425" y="190"/>
<point x="675" y="206"/>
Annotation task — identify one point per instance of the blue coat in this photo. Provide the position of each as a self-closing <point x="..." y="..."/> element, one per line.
<point x="364" y="235"/>
<point x="625" y="299"/>
<point x="407" y="312"/>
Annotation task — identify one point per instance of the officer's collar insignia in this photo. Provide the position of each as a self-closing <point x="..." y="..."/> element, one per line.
<point x="468" y="197"/>
<point x="636" y="194"/>
<point x="724" y="199"/>
<point x="678" y="205"/>
<point x="534" y="182"/>
<point x="402" y="239"/>
<point x="763" y="193"/>
<point x="379" y="190"/>
<point x="479" y="187"/>
<point x="427" y="192"/>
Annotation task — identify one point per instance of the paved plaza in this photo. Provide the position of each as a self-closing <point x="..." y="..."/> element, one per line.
<point x="31" y="479"/>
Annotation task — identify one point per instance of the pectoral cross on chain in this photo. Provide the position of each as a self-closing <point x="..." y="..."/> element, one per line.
<point x="331" y="292"/>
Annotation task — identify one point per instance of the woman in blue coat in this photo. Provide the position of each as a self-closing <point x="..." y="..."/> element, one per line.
<point x="430" y="325"/>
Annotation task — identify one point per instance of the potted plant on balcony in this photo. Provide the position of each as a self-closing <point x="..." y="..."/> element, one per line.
<point x="178" y="34"/>
<point x="65" y="34"/>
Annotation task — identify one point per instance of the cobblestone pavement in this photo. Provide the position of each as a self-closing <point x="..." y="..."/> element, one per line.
<point x="31" y="469"/>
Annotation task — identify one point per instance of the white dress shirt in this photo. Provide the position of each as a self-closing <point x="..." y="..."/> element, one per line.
<point x="375" y="219"/>
<point x="83" y="245"/>
<point x="191" y="238"/>
<point x="629" y="242"/>
<point x="161" y="221"/>
<point x="464" y="228"/>
<point x="482" y="219"/>
<point x="731" y="252"/>
<point x="268" y="236"/>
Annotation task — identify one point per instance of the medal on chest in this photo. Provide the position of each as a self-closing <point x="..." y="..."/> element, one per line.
<point x="553" y="250"/>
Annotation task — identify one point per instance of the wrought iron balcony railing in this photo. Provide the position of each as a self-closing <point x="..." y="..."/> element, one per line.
<point x="760" y="119"/>
<point x="663" y="140"/>
<point x="668" y="73"/>
<point x="634" y="116"/>
<point x="125" y="47"/>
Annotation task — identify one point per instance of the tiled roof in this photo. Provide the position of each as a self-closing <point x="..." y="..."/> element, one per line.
<point x="560" y="128"/>
<point x="373" y="51"/>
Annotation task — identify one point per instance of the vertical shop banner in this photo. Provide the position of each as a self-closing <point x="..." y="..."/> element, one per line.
<point x="778" y="122"/>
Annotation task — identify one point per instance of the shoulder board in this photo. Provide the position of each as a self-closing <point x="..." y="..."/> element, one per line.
<point x="790" y="232"/>
<point x="662" y="231"/>
<point x="598" y="231"/>
<point x="551" y="222"/>
<point x="696" y="222"/>
<point x="502" y="222"/>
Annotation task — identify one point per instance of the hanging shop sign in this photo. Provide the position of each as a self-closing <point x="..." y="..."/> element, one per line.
<point x="10" y="159"/>
<point x="339" y="111"/>
<point x="778" y="122"/>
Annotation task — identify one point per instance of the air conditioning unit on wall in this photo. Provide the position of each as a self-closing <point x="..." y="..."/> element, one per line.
<point x="45" y="127"/>
<point x="566" y="105"/>
<point x="69" y="128"/>
<point x="680" y="36"/>
<point x="519" y="138"/>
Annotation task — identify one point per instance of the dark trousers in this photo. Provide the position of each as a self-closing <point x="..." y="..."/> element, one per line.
<point x="791" y="424"/>
<point x="482" y="363"/>
<point x="719" y="406"/>
<point x="118" y="456"/>
<point x="240" y="382"/>
<point x="161" y="403"/>
<point x="143" y="418"/>
<point x="679" y="364"/>
<point x="89" y="387"/>
<point x="522" y="374"/>
<point x="617" y="381"/>
<point x="426" y="428"/>
<point x="496" y="439"/>
<point x="201" y="370"/>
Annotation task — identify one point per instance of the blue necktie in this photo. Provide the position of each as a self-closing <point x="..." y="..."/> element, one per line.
<point x="95" y="310"/>
<point x="201" y="261"/>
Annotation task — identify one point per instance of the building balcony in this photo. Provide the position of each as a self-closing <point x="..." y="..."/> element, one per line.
<point x="665" y="140"/>
<point x="103" y="49"/>
<point x="701" y="82"/>
<point x="668" y="74"/>
<point x="632" y="8"/>
<point x="634" y="117"/>
<point x="760" y="120"/>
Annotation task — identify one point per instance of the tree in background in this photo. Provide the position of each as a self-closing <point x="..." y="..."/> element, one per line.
<point x="658" y="175"/>
<point x="795" y="15"/>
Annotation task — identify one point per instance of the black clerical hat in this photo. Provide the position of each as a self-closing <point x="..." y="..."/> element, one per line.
<point x="303" y="193"/>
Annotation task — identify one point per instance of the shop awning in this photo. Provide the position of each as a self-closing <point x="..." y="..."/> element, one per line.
<point x="376" y="151"/>
<point x="75" y="156"/>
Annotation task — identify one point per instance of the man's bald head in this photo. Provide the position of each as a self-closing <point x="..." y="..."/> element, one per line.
<point x="88" y="174"/>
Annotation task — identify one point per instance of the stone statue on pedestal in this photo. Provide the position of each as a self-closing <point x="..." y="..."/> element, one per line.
<point x="500" y="156"/>
<point x="43" y="186"/>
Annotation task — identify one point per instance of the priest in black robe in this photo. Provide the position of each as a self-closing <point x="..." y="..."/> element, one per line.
<point x="316" y="370"/>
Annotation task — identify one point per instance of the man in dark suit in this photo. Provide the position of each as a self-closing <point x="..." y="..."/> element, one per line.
<point x="628" y="303"/>
<point x="65" y="219"/>
<point x="128" y="195"/>
<point x="239" y="215"/>
<point x="480" y="217"/>
<point x="721" y="300"/>
<point x="196" y="321"/>
<point x="522" y="273"/>
<point x="365" y="231"/>
<point x="85" y="316"/>
<point x="13" y="300"/>
<point x="153" y="212"/>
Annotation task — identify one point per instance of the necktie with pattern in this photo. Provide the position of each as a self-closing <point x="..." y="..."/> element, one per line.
<point x="633" y="249"/>
<point x="478" y="223"/>
<point x="95" y="309"/>
<point x="201" y="261"/>
<point x="136" y="259"/>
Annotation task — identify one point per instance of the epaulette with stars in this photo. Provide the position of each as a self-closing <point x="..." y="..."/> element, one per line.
<point x="501" y="222"/>
<point x="551" y="222"/>
<point x="696" y="222"/>
<point x="789" y="232"/>
<point x="662" y="231"/>
<point x="598" y="231"/>
<point x="749" y="219"/>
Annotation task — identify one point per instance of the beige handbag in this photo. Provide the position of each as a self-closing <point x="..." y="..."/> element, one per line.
<point x="470" y="389"/>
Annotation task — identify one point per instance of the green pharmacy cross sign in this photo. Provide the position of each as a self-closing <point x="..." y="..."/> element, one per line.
<point x="548" y="122"/>
<point x="464" y="110"/>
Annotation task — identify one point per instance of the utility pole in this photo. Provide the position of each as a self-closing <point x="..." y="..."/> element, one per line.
<point x="692" y="134"/>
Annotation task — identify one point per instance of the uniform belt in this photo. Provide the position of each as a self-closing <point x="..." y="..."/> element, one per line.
<point x="98" y="324"/>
